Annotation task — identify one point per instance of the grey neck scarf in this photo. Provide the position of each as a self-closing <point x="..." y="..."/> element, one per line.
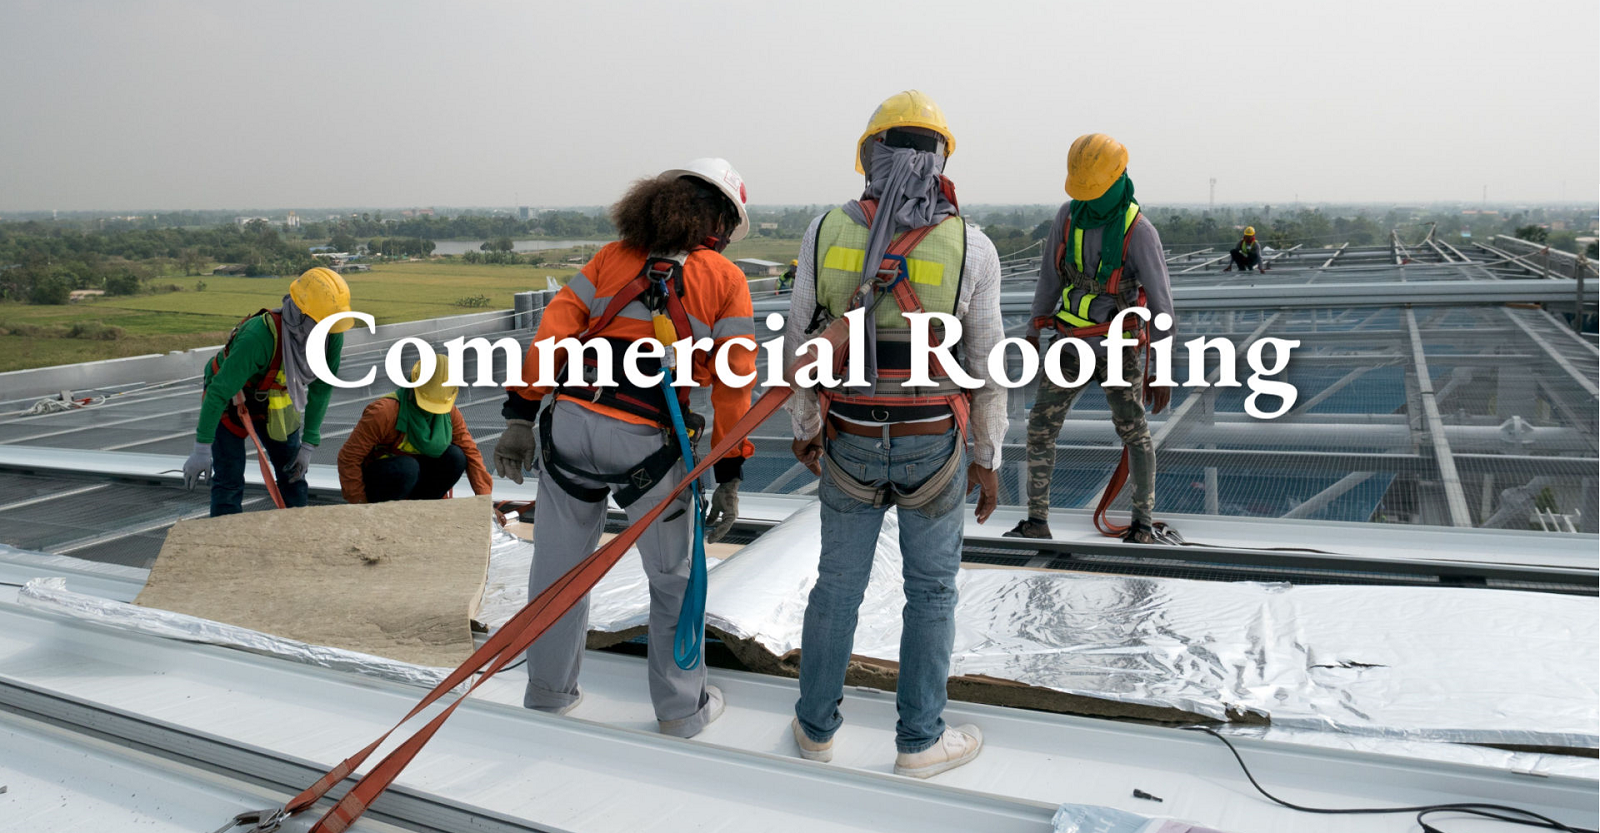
<point x="907" y="185"/>
<point x="296" y="332"/>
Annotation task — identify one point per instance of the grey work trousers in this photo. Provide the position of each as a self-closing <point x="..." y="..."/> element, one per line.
<point x="566" y="529"/>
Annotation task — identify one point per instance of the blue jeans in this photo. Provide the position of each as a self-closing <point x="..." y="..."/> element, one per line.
<point x="930" y="551"/>
<point x="227" y="470"/>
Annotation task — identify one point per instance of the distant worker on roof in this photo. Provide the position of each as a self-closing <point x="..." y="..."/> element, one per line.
<point x="786" y="280"/>
<point x="665" y="280"/>
<point x="1102" y="255"/>
<point x="1247" y="254"/>
<point x="265" y="362"/>
<point x="902" y="247"/>
<point x="412" y="444"/>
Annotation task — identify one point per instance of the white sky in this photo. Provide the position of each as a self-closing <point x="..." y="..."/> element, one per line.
<point x="174" y="104"/>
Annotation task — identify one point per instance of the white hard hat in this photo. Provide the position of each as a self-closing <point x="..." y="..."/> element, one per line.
<point x="720" y="173"/>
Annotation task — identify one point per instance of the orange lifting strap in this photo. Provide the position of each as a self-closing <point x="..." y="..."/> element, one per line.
<point x="515" y="636"/>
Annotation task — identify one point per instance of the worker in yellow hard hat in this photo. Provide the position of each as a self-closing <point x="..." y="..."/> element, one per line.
<point x="1247" y="254"/>
<point x="901" y="248"/>
<point x="786" y="280"/>
<point x="265" y="359"/>
<point x="1102" y="256"/>
<point x="412" y="444"/>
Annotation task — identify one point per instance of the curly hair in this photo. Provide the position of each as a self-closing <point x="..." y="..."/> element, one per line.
<point x="675" y="214"/>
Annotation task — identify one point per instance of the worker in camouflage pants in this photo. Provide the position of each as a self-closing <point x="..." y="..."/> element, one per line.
<point x="1050" y="409"/>
<point x="1101" y="256"/>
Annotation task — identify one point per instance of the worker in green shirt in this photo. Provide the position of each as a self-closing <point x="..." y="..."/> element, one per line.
<point x="265" y="364"/>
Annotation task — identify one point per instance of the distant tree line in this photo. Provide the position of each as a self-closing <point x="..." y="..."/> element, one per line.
<point x="43" y="263"/>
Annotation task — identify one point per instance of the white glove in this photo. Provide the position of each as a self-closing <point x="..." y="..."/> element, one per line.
<point x="723" y="512"/>
<point x="198" y="466"/>
<point x="514" y="453"/>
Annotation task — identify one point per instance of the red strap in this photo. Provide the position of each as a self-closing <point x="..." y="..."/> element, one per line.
<point x="512" y="639"/>
<point x="622" y="299"/>
<point x="261" y="453"/>
<point x="1113" y="488"/>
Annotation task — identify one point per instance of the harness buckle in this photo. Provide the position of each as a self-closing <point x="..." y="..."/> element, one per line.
<point x="880" y="414"/>
<point x="891" y="270"/>
<point x="261" y="821"/>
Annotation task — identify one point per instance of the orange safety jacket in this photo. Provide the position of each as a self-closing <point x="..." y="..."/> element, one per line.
<point x="716" y="299"/>
<point x="377" y="434"/>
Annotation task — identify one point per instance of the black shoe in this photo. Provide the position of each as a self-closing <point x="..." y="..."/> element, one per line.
<point x="1140" y="532"/>
<point x="1030" y="528"/>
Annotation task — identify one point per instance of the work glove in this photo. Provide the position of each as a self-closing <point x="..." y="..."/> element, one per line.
<point x="514" y="453"/>
<point x="987" y="481"/>
<point x="198" y="466"/>
<point x="297" y="468"/>
<point x="723" y="512"/>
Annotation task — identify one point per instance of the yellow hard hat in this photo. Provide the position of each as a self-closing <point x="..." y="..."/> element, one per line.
<point x="319" y="293"/>
<point x="1094" y="164"/>
<point x="434" y="396"/>
<point x="794" y="263"/>
<point x="1249" y="231"/>
<point x="911" y="108"/>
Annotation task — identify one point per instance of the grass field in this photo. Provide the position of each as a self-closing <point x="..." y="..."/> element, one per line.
<point x="161" y="322"/>
<point x="181" y="320"/>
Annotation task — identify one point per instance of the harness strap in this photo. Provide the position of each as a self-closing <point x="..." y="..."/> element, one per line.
<point x="261" y="453"/>
<point x="626" y="486"/>
<point x="238" y="425"/>
<point x="905" y="297"/>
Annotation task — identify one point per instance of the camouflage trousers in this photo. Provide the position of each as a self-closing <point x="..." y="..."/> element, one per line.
<point x="1050" y="409"/>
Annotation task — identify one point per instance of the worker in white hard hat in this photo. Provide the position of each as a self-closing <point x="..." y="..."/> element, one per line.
<point x="1247" y="255"/>
<point x="412" y="444"/>
<point x="664" y="280"/>
<point x="901" y="248"/>
<point x="265" y="361"/>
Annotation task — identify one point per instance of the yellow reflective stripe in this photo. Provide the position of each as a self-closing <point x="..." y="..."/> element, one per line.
<point x="930" y="272"/>
<point x="1083" y="304"/>
<point x="843" y="259"/>
<point x="1077" y="248"/>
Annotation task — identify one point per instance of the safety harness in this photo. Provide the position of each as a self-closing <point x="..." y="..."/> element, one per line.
<point x="659" y="286"/>
<point x="507" y="644"/>
<point x="1085" y="314"/>
<point x="893" y="281"/>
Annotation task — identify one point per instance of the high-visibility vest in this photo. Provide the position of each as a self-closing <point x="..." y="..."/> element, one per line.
<point x="933" y="270"/>
<point x="1246" y="246"/>
<point x="1081" y="290"/>
<point x="266" y="396"/>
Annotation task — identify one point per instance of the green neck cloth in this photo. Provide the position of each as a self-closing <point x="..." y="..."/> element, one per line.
<point x="428" y="433"/>
<point x="1105" y="211"/>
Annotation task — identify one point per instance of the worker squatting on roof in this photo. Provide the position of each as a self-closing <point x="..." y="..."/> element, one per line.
<point x="665" y="279"/>
<point x="412" y="444"/>
<point x="1102" y="256"/>
<point x="1247" y="254"/>
<point x="883" y="444"/>
<point x="264" y="364"/>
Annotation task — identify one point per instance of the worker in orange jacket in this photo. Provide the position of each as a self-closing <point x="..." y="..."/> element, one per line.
<point x="412" y="444"/>
<point x="666" y="279"/>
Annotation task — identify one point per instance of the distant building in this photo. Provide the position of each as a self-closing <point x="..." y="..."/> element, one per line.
<point x="522" y="211"/>
<point x="292" y="221"/>
<point x="342" y="268"/>
<point x="231" y="269"/>
<point x="245" y="221"/>
<point x="755" y="268"/>
<point x="767" y="227"/>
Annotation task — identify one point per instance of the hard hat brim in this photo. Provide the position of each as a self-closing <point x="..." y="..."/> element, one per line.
<point x="432" y="405"/>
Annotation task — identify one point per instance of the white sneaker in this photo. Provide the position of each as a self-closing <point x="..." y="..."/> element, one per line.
<point x="954" y="748"/>
<point x="809" y="749"/>
<point x="688" y="727"/>
<point x="570" y="706"/>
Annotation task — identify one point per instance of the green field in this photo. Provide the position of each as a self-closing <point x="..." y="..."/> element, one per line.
<point x="181" y="320"/>
<point x="38" y="336"/>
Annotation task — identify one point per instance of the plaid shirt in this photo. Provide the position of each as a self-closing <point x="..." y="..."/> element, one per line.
<point x="978" y="309"/>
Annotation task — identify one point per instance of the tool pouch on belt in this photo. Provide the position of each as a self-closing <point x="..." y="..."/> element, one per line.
<point x="884" y="493"/>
